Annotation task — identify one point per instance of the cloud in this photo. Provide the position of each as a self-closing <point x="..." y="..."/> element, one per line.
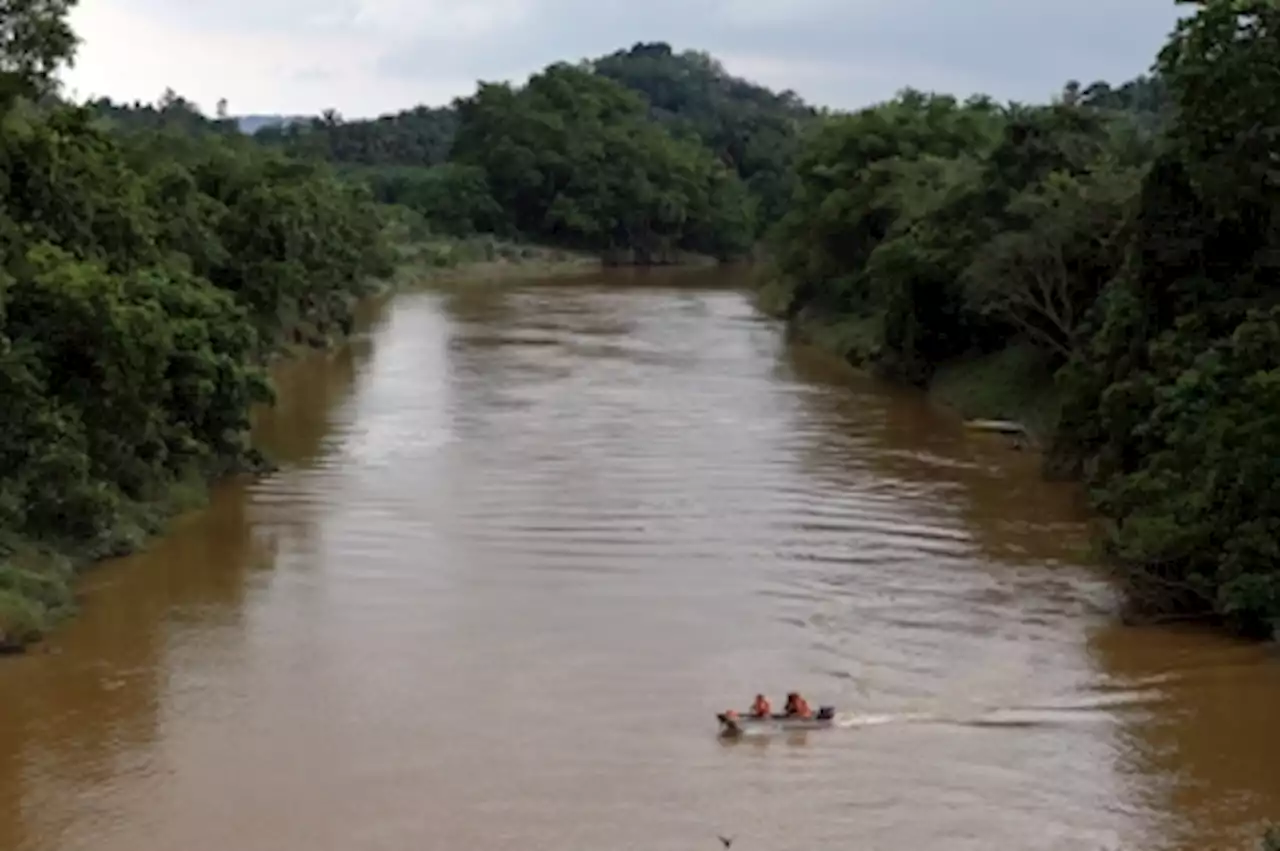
<point x="365" y="57"/>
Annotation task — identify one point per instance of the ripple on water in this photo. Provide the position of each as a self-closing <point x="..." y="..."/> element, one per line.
<point x="589" y="517"/>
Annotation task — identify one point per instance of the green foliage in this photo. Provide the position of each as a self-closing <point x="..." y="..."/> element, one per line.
<point x="1144" y="99"/>
<point x="858" y="177"/>
<point x="148" y="264"/>
<point x="691" y="116"/>
<point x="454" y="198"/>
<point x="1014" y="383"/>
<point x="1172" y="408"/>
<point x="756" y="131"/>
<point x="1128" y="237"/>
<point x="171" y="113"/>
<point x="420" y="137"/>
<point x="35" y="40"/>
<point x="1043" y="276"/>
<point x="572" y="159"/>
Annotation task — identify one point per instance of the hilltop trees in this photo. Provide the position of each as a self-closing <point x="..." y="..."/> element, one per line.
<point x="751" y="129"/>
<point x="571" y="158"/>
<point x="740" y="139"/>
<point x="417" y="137"/>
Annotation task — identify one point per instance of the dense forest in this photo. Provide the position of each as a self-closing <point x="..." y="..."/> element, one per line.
<point x="641" y="155"/>
<point x="1109" y="258"/>
<point x="1100" y="267"/>
<point x="146" y="273"/>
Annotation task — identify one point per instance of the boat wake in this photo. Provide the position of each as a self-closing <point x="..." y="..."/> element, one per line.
<point x="853" y="719"/>
<point x="1084" y="709"/>
<point x="1090" y="710"/>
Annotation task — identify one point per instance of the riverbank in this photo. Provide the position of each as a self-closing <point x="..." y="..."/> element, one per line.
<point x="37" y="578"/>
<point x="1014" y="393"/>
<point x="1013" y="385"/>
<point x="1105" y="228"/>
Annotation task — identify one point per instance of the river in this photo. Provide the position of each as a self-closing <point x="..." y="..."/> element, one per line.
<point x="526" y="540"/>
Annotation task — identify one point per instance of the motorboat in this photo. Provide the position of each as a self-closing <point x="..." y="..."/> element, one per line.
<point x="740" y="723"/>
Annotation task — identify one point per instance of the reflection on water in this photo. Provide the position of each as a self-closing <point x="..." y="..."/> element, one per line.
<point x="526" y="540"/>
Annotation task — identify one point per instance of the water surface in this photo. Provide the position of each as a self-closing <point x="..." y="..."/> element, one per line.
<point x="527" y="540"/>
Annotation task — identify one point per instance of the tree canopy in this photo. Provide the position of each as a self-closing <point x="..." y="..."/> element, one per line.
<point x="572" y="158"/>
<point x="750" y="128"/>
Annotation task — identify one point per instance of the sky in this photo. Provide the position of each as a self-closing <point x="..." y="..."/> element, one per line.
<point x="369" y="57"/>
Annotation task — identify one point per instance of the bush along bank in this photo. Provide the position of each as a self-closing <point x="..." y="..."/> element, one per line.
<point x="1117" y="246"/>
<point x="144" y="279"/>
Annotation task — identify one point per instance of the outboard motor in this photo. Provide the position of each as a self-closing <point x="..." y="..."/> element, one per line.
<point x="729" y="722"/>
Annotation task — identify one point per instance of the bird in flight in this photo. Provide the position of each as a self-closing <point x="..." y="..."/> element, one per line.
<point x="726" y="841"/>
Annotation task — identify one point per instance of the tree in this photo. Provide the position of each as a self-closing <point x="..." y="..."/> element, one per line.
<point x="1044" y="277"/>
<point x="35" y="40"/>
<point x="1172" y="406"/>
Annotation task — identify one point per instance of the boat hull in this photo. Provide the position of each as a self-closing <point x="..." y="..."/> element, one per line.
<point x="745" y="723"/>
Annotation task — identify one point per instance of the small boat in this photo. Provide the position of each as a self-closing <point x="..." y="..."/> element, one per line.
<point x="736" y="724"/>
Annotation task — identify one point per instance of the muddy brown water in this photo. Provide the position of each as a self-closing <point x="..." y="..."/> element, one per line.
<point x="526" y="540"/>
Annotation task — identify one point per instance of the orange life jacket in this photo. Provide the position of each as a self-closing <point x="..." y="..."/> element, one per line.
<point x="761" y="707"/>
<point x="800" y="708"/>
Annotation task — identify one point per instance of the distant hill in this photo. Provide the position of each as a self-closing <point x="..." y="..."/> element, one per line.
<point x="415" y="137"/>
<point x="749" y="127"/>
<point x="251" y="124"/>
<point x="171" y="112"/>
<point x="174" y="111"/>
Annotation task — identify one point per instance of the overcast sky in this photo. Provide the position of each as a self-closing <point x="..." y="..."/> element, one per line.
<point x="365" y="57"/>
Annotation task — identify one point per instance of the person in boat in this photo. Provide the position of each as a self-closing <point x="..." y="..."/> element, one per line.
<point x="797" y="706"/>
<point x="761" y="708"/>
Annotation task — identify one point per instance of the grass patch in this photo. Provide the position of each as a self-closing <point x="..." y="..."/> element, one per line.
<point x="22" y="621"/>
<point x="1015" y="383"/>
<point x="443" y="259"/>
<point x="424" y="256"/>
<point x="854" y="338"/>
<point x="35" y="593"/>
<point x="37" y="577"/>
<point x="772" y="294"/>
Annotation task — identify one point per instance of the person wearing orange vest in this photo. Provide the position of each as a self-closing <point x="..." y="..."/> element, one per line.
<point x="761" y="708"/>
<point x="797" y="706"/>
